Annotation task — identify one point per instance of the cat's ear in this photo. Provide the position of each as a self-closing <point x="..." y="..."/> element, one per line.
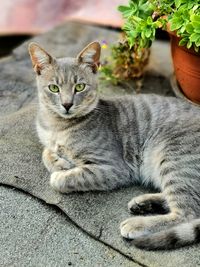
<point x="91" y="55"/>
<point x="39" y="57"/>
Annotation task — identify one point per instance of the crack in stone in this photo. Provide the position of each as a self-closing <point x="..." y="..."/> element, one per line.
<point x="96" y="238"/>
<point x="103" y="242"/>
<point x="100" y="232"/>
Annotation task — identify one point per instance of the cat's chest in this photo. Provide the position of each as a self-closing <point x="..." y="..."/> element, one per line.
<point x="63" y="142"/>
<point x="52" y="139"/>
<point x="47" y="137"/>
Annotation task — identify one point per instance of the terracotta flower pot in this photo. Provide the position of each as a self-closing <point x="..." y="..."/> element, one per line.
<point x="187" y="69"/>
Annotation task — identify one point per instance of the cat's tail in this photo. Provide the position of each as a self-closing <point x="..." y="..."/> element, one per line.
<point x="175" y="237"/>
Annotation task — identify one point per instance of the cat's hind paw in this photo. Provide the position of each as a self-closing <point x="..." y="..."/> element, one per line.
<point x="132" y="228"/>
<point x="148" y="204"/>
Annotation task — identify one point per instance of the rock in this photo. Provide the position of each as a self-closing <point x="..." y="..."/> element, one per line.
<point x="98" y="214"/>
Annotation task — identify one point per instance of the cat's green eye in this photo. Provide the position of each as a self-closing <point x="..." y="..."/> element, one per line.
<point x="53" y="88"/>
<point x="79" y="87"/>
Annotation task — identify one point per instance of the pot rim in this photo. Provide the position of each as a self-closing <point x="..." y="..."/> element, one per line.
<point x="178" y="92"/>
<point x="173" y="34"/>
<point x="190" y="50"/>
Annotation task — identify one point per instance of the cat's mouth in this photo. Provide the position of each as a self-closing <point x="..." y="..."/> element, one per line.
<point x="67" y="114"/>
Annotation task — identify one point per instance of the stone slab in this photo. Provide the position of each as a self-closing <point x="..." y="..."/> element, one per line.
<point x="98" y="214"/>
<point x="34" y="234"/>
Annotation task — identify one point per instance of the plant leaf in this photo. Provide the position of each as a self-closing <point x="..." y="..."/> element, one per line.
<point x="194" y="37"/>
<point x="195" y="18"/>
<point x="176" y="23"/>
<point x="126" y="11"/>
<point x="177" y="3"/>
<point x="197" y="43"/>
<point x="148" y="32"/>
<point x="189" y="45"/>
<point x="189" y="28"/>
<point x="183" y="41"/>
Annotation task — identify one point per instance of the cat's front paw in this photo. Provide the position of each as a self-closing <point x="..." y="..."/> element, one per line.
<point x="58" y="181"/>
<point x="133" y="228"/>
<point x="59" y="165"/>
<point x="65" y="181"/>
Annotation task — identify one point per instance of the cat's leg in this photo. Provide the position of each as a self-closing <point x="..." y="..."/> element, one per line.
<point x="89" y="177"/>
<point x="53" y="162"/>
<point x="179" y="201"/>
<point x="138" y="226"/>
<point x="181" y="187"/>
<point x="148" y="203"/>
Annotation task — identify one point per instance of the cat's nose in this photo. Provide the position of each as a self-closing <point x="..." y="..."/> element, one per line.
<point x="67" y="106"/>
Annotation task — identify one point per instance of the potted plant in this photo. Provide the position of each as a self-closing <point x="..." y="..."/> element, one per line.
<point x="181" y="18"/>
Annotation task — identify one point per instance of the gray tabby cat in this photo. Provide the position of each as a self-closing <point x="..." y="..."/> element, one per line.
<point x="96" y="144"/>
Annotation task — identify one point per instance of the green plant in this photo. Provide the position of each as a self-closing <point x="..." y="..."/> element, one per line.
<point x="143" y="17"/>
<point x="124" y="63"/>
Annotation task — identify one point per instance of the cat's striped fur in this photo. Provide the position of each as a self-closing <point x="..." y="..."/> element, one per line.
<point x="102" y="144"/>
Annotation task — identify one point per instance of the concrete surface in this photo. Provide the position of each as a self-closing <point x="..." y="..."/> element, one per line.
<point x="93" y="217"/>
<point x="34" y="234"/>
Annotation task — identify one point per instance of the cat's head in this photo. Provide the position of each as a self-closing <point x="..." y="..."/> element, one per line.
<point x="67" y="86"/>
